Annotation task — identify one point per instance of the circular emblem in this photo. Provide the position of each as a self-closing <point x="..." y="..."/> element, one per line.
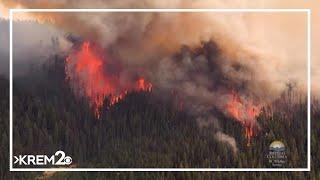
<point x="277" y="146"/>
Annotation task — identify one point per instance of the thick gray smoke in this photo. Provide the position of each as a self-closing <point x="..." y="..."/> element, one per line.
<point x="204" y="81"/>
<point x="264" y="35"/>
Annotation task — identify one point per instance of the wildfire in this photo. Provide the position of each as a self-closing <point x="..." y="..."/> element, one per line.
<point x="86" y="69"/>
<point x="243" y="111"/>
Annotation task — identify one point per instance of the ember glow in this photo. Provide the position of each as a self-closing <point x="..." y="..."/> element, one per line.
<point x="243" y="111"/>
<point x="86" y="69"/>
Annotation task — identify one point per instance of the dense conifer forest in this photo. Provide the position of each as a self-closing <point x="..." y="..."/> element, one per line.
<point x="143" y="131"/>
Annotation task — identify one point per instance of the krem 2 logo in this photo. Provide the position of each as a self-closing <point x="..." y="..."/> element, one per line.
<point x="58" y="159"/>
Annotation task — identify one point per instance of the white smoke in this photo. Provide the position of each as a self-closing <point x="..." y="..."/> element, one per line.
<point x="224" y="138"/>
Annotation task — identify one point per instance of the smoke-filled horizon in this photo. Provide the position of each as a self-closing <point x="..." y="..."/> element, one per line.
<point x="162" y="34"/>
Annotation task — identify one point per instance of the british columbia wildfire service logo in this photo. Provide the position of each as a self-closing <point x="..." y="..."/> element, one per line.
<point x="277" y="154"/>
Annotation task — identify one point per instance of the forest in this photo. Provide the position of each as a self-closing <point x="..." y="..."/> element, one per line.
<point x="143" y="131"/>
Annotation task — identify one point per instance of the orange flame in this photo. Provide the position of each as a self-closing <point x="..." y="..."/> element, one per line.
<point x="142" y="85"/>
<point x="243" y="111"/>
<point x="86" y="68"/>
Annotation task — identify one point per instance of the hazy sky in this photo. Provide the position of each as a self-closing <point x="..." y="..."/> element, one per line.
<point x="32" y="42"/>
